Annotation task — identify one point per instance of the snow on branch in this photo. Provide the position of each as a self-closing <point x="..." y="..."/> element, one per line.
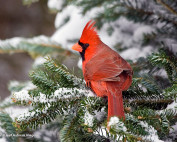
<point x="152" y="132"/>
<point x="115" y="122"/>
<point x="54" y="105"/>
<point x="41" y="45"/>
<point x="61" y="94"/>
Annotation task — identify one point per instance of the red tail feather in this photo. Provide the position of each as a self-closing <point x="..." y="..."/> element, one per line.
<point x="115" y="106"/>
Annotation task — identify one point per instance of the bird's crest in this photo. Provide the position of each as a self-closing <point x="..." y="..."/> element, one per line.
<point x="89" y="34"/>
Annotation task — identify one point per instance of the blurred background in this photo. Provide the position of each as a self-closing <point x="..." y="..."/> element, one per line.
<point x="142" y="32"/>
<point x="18" y="20"/>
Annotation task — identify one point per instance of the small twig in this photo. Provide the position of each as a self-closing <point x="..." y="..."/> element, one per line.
<point x="11" y="51"/>
<point x="149" y="13"/>
<point x="167" y="7"/>
<point x="51" y="45"/>
<point x="149" y="101"/>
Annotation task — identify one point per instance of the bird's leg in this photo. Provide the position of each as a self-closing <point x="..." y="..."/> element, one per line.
<point x="88" y="84"/>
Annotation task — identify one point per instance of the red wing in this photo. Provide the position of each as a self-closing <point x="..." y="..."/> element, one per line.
<point x="105" y="66"/>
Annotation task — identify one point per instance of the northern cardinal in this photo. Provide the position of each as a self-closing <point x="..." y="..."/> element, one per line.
<point x="104" y="70"/>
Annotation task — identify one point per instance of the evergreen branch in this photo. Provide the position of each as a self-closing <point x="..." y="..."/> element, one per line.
<point x="135" y="96"/>
<point x="171" y="92"/>
<point x="48" y="108"/>
<point x="42" y="80"/>
<point x="52" y="75"/>
<point x="118" y="129"/>
<point x="148" y="82"/>
<point x="149" y="101"/>
<point x="38" y="116"/>
<point x="6" y="125"/>
<point x="167" y="6"/>
<point x="62" y="94"/>
<point x="150" y="13"/>
<point x="35" y="46"/>
<point x="15" y="86"/>
<point x="5" y="104"/>
<point x="66" y="134"/>
<point x="73" y="131"/>
<point x="161" y="59"/>
<point x="170" y="114"/>
<point x="133" y="10"/>
<point x="55" y="125"/>
<point x="95" y="137"/>
<point x="62" y="75"/>
<point x="143" y="131"/>
<point x="153" y="118"/>
<point x="132" y="122"/>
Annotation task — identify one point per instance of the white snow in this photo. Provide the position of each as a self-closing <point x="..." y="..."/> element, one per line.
<point x="61" y="93"/>
<point x="30" y="114"/>
<point x="15" y="111"/>
<point x="72" y="92"/>
<point x="152" y="132"/>
<point x="79" y="64"/>
<point x="24" y="116"/>
<point x="2" y="133"/>
<point x="88" y="119"/>
<point x="14" y="83"/>
<point x="3" y="140"/>
<point x="6" y="101"/>
<point x="115" y="122"/>
<point x="39" y="61"/>
<point x="122" y="33"/>
<point x="134" y="52"/>
<point x="14" y="42"/>
<point x="10" y="42"/>
<point x="99" y="115"/>
<point x="72" y="29"/>
<point x="22" y="96"/>
<point x="140" y="31"/>
<point x="1" y="130"/>
<point x="42" y="39"/>
<point x="55" y="4"/>
<point x="29" y="86"/>
<point x="172" y="106"/>
<point x="173" y="131"/>
<point x="42" y="98"/>
<point x="101" y="131"/>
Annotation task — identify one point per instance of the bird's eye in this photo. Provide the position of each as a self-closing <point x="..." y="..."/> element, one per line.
<point x="86" y="45"/>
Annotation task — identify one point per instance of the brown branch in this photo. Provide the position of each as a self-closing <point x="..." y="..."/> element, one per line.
<point x="51" y="45"/>
<point x="11" y="51"/>
<point x="149" y="101"/>
<point x="167" y="7"/>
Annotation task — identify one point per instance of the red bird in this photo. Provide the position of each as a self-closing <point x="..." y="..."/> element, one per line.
<point x="104" y="70"/>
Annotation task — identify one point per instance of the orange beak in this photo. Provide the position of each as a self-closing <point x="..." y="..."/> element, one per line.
<point x="77" y="47"/>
